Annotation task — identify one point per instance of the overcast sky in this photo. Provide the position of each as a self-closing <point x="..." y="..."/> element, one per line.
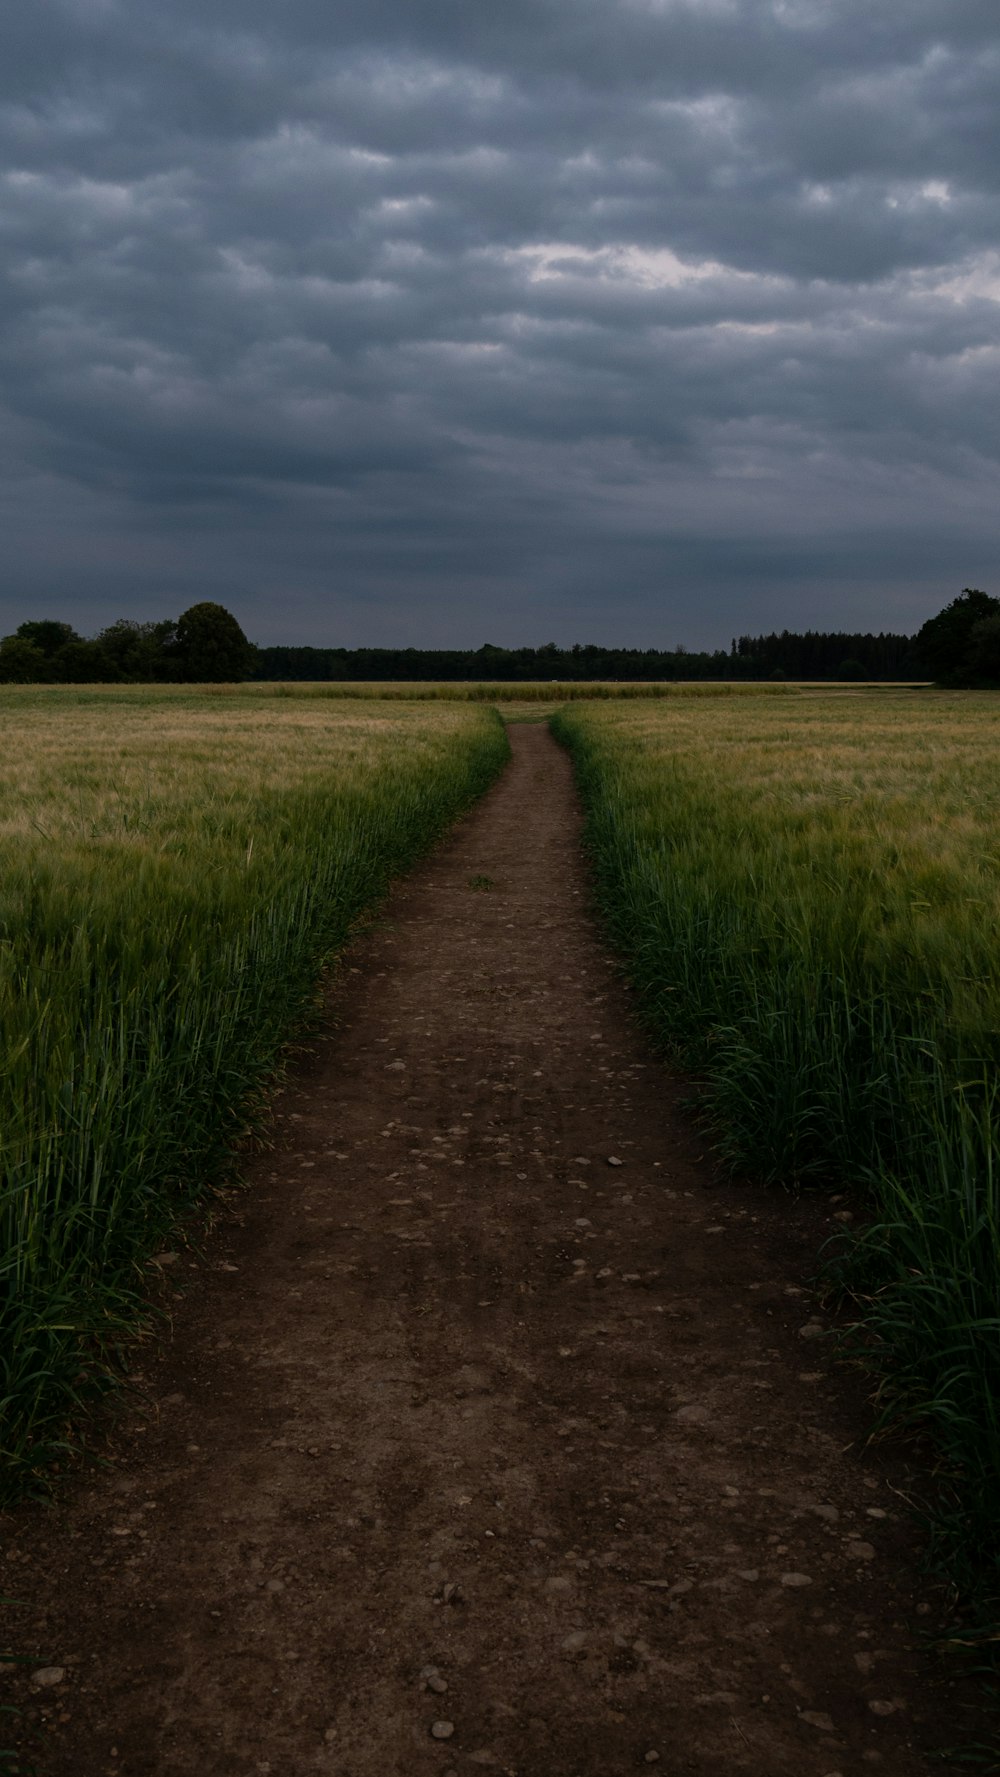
<point x="437" y="322"/>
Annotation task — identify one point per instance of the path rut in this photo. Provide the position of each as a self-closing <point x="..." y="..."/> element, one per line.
<point x="488" y="1437"/>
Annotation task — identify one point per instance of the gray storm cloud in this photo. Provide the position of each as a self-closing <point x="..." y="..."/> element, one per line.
<point x="634" y="322"/>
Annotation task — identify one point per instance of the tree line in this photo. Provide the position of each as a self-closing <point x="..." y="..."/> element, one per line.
<point x="958" y="647"/>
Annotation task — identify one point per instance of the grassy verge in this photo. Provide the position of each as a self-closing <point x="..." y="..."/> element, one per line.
<point x="176" y="872"/>
<point x="808" y="896"/>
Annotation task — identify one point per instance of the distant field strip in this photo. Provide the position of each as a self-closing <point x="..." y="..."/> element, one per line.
<point x="544" y="691"/>
<point x="176" y="871"/>
<point x="528" y="691"/>
<point x="808" y="894"/>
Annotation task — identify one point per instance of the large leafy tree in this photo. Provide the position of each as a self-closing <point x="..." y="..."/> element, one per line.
<point x="47" y="635"/>
<point x="945" y="649"/>
<point x="139" y="652"/>
<point x="984" y="650"/>
<point x="210" y="646"/>
<point x="22" y="662"/>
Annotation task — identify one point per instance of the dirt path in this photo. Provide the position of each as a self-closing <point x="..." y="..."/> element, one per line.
<point x="465" y="1424"/>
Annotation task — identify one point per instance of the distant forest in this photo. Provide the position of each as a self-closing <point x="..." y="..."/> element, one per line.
<point x="960" y="646"/>
<point x="786" y="656"/>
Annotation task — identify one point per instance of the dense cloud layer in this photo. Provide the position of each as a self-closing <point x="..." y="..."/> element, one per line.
<point x="623" y="320"/>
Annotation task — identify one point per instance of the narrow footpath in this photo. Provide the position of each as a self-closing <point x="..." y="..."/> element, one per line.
<point x="495" y="1431"/>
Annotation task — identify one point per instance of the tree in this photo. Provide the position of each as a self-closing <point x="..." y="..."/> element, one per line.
<point x="22" y="662"/>
<point x="139" y="652"/>
<point x="47" y="635"/>
<point x="210" y="646"/>
<point x="82" y="663"/>
<point x="944" y="647"/>
<point x="983" y="659"/>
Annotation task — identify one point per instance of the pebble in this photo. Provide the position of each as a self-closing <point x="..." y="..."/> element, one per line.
<point x="571" y="1644"/>
<point x="813" y="1329"/>
<point x="796" y="1579"/>
<point x="47" y="1675"/>
<point x="817" y="1718"/>
<point x="442" y="1730"/>
<point x="652" y="1757"/>
<point x="883" y="1706"/>
<point x="861" y="1551"/>
<point x="613" y="1160"/>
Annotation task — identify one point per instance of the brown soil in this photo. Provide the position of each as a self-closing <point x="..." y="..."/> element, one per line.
<point x="474" y="1448"/>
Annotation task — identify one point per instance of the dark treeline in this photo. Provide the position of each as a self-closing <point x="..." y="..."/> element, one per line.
<point x="960" y="646"/>
<point x="809" y="656"/>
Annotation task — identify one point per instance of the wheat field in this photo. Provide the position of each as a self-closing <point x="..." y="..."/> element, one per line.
<point x="177" y="869"/>
<point x="808" y="896"/>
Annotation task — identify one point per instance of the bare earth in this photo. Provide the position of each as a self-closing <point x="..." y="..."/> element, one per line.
<point x="488" y="1437"/>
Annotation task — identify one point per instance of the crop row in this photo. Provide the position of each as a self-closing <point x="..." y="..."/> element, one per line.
<point x="175" y="874"/>
<point x="808" y="896"/>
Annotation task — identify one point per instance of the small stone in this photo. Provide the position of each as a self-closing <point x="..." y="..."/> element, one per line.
<point x="571" y="1644"/>
<point x="694" y="1414"/>
<point x="883" y="1705"/>
<point x="861" y="1551"/>
<point x="796" y="1579"/>
<point x="48" y="1675"/>
<point x="613" y="1160"/>
<point x="749" y="1574"/>
<point x="652" y="1757"/>
<point x="560" y="1582"/>
<point x="442" y="1730"/>
<point x="817" y="1718"/>
<point x="813" y="1329"/>
<point x="437" y="1684"/>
